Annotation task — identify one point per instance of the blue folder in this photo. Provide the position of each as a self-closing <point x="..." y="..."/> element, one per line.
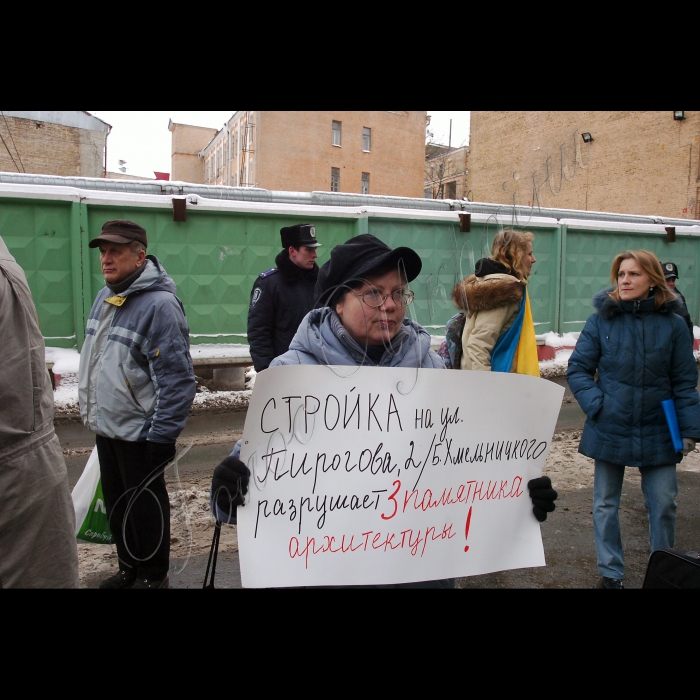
<point x="672" y="419"/>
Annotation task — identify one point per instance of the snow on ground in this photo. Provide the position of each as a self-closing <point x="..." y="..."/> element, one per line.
<point x="206" y="401"/>
<point x="66" y="393"/>
<point x="66" y="404"/>
<point x="65" y="360"/>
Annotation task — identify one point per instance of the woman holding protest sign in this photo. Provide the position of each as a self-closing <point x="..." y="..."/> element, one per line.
<point x="360" y="319"/>
<point x="638" y="346"/>
<point x="498" y="333"/>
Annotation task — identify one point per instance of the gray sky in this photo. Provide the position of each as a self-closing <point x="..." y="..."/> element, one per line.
<point x="142" y="139"/>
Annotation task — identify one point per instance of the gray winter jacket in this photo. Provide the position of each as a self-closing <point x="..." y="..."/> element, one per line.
<point x="323" y="340"/>
<point x="136" y="380"/>
<point x="38" y="548"/>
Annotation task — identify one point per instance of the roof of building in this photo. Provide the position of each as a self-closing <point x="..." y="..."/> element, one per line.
<point x="77" y="120"/>
<point x="216" y="195"/>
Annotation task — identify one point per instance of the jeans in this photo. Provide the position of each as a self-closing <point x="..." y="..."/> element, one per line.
<point x="660" y="488"/>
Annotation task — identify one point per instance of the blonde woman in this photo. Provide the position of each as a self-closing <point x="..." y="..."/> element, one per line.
<point x="494" y="301"/>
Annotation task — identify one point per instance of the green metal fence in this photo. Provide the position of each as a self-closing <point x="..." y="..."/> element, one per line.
<point x="215" y="255"/>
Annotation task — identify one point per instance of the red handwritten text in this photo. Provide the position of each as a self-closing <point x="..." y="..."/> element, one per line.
<point x="493" y="490"/>
<point x="414" y="541"/>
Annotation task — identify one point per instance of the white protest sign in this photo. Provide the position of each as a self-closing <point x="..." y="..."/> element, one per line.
<point x="366" y="475"/>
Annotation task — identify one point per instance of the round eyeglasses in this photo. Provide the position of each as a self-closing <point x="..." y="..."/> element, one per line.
<point x="374" y="298"/>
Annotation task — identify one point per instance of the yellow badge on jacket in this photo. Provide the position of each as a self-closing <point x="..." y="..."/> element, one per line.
<point x="116" y="300"/>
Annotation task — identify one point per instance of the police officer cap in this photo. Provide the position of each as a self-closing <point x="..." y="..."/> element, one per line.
<point x="670" y="270"/>
<point x="298" y="235"/>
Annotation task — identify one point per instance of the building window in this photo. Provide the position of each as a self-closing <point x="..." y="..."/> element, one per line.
<point x="451" y="190"/>
<point x="335" y="179"/>
<point x="336" y="133"/>
<point x="365" y="183"/>
<point x="366" y="138"/>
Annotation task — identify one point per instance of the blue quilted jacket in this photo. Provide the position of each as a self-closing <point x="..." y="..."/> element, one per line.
<point x="642" y="357"/>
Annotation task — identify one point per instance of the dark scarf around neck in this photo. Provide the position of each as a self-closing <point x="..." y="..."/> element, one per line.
<point x="122" y="286"/>
<point x="487" y="266"/>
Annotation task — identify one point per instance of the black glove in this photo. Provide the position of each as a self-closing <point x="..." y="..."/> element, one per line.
<point x="543" y="497"/>
<point x="229" y="485"/>
<point x="160" y="453"/>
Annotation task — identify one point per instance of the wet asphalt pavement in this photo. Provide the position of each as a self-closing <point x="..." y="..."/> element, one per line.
<point x="567" y="534"/>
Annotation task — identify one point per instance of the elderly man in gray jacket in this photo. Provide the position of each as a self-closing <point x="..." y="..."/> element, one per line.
<point x="136" y="385"/>
<point x="38" y="548"/>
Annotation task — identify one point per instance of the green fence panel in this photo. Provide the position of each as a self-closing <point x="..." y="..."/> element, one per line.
<point x="450" y="255"/>
<point x="588" y="259"/>
<point x="544" y="279"/>
<point x="437" y="243"/>
<point x="214" y="258"/>
<point x="38" y="235"/>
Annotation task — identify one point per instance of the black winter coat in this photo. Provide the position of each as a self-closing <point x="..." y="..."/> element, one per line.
<point x="279" y="300"/>
<point x="683" y="313"/>
<point x="642" y="357"/>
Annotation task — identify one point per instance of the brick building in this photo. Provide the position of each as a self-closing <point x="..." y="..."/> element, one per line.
<point x="53" y="143"/>
<point x="186" y="143"/>
<point x="445" y="172"/>
<point x="634" y="163"/>
<point x="371" y="152"/>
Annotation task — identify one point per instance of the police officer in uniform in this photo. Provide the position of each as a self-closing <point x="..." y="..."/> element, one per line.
<point x="282" y="296"/>
<point x="671" y="274"/>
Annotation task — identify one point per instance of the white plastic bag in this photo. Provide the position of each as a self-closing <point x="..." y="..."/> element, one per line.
<point x="91" y="523"/>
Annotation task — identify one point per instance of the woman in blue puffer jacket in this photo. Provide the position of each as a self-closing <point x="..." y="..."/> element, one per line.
<point x="639" y="347"/>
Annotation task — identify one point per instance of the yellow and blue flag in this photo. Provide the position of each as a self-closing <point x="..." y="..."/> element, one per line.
<point x="518" y="343"/>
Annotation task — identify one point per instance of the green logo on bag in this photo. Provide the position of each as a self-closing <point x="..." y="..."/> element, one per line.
<point x="95" y="527"/>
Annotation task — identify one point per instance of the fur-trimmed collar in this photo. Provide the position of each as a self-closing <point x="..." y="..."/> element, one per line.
<point x="475" y="294"/>
<point x="608" y="308"/>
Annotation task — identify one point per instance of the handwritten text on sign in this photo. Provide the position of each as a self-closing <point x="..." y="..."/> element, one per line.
<point x="368" y="475"/>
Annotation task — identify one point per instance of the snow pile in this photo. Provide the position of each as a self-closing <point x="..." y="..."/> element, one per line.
<point x="65" y="397"/>
<point x="549" y="369"/>
<point x="65" y="360"/>
<point x="250" y="378"/>
<point x="554" y="340"/>
<point x="206" y="401"/>
<point x="211" y="350"/>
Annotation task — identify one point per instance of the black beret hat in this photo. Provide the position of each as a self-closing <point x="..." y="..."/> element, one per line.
<point x="357" y="259"/>
<point x="120" y="231"/>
